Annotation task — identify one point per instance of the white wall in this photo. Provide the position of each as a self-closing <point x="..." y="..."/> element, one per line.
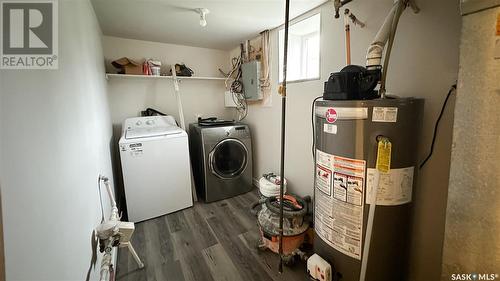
<point x="472" y="242"/>
<point x="424" y="63"/>
<point x="56" y="133"/>
<point x="129" y="96"/>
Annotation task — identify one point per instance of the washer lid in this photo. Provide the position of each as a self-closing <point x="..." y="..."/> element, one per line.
<point x="146" y="132"/>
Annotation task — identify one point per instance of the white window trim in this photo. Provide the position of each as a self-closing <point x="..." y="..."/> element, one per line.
<point x="319" y="52"/>
<point x="304" y="39"/>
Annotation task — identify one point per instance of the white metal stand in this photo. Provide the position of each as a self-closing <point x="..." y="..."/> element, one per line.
<point x="133" y="253"/>
<point x="183" y="122"/>
<point x="114" y="232"/>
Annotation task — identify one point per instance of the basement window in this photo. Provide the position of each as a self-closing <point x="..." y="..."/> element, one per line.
<point x="303" y="50"/>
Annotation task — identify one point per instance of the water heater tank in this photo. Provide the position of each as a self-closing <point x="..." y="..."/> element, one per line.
<point x="348" y="135"/>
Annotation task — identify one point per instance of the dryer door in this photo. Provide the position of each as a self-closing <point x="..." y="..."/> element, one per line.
<point x="228" y="159"/>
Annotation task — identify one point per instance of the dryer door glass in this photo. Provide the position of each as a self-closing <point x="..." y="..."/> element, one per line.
<point x="228" y="158"/>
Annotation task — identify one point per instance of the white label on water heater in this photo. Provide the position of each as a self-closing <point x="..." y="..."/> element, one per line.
<point x="394" y="187"/>
<point x="330" y="128"/>
<point x="339" y="202"/>
<point x="385" y="114"/>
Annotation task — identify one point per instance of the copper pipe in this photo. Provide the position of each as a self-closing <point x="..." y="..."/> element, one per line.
<point x="347" y="36"/>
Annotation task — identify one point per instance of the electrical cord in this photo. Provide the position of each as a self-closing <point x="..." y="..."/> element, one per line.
<point x="239" y="98"/>
<point x="235" y="64"/>
<point x="313" y="148"/>
<point x="236" y="88"/>
<point x="452" y="89"/>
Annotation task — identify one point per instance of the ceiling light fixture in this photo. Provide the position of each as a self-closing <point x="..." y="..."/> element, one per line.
<point x="203" y="15"/>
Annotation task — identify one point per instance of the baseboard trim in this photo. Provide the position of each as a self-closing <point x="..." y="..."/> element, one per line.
<point x="255" y="182"/>
<point x="470" y="7"/>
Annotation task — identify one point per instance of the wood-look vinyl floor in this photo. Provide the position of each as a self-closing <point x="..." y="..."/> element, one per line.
<point x="215" y="241"/>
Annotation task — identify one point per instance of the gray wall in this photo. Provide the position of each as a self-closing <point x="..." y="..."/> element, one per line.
<point x="55" y="134"/>
<point x="472" y="241"/>
<point x="424" y="63"/>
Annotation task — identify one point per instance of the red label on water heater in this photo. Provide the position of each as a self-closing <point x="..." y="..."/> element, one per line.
<point x="331" y="115"/>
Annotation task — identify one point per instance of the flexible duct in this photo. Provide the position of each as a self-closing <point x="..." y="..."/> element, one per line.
<point x="374" y="54"/>
<point x="386" y="33"/>
<point x="399" y="10"/>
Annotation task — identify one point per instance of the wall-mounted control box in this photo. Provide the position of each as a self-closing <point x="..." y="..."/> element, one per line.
<point x="250" y="77"/>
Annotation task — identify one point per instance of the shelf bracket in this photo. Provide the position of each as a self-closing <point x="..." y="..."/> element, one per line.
<point x="178" y="97"/>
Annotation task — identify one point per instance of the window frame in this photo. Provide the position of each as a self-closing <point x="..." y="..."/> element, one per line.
<point x="309" y="35"/>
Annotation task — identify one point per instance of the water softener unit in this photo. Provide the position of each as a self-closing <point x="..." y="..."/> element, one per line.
<point x="361" y="146"/>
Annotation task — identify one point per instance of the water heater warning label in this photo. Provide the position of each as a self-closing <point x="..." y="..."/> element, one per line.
<point x="324" y="179"/>
<point x="340" y="184"/>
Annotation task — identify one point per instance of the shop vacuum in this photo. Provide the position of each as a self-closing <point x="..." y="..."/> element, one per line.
<point x="296" y="226"/>
<point x="366" y="164"/>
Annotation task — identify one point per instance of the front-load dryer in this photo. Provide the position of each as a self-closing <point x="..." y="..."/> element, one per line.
<point x="221" y="157"/>
<point x="155" y="164"/>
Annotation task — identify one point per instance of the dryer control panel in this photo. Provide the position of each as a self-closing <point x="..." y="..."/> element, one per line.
<point x="215" y="134"/>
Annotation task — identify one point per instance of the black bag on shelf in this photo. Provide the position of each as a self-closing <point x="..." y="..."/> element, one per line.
<point x="183" y="70"/>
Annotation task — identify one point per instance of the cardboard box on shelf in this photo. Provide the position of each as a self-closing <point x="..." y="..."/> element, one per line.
<point x="127" y="66"/>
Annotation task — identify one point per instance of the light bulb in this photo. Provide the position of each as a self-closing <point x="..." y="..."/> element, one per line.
<point x="203" y="21"/>
<point x="203" y="15"/>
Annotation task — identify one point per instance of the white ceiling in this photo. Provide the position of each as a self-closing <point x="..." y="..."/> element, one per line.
<point x="174" y="21"/>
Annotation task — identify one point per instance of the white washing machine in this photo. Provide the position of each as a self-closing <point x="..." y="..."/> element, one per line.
<point x="155" y="164"/>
